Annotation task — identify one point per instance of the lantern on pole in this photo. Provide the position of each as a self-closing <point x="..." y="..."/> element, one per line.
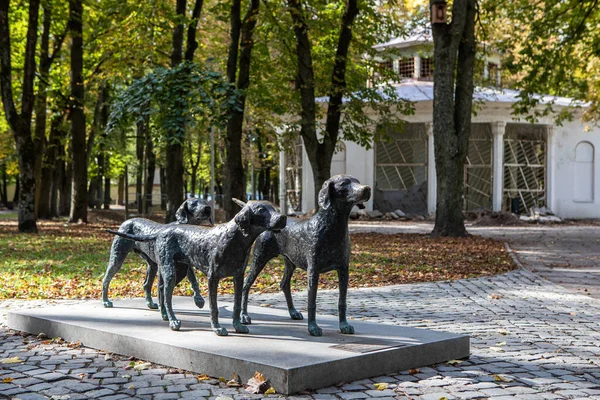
<point x="439" y="10"/>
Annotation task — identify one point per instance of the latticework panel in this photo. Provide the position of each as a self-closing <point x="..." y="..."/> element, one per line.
<point x="401" y="162"/>
<point x="478" y="168"/>
<point x="524" y="167"/>
<point x="293" y="175"/>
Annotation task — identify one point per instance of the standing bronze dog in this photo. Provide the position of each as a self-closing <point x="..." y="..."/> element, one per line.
<point x="193" y="211"/>
<point x="218" y="252"/>
<point x="318" y="245"/>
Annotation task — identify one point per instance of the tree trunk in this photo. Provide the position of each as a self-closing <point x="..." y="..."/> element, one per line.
<point x="4" y="187"/>
<point x="321" y="153"/>
<point x="106" y="200"/>
<point x="20" y="123"/>
<point x="121" y="190"/>
<point x="234" y="168"/>
<point x="150" y="168"/>
<point x="139" y="151"/>
<point x="452" y="113"/>
<point x="78" y="134"/>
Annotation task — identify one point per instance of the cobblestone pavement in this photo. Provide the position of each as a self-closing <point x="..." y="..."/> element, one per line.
<point x="530" y="339"/>
<point x="565" y="254"/>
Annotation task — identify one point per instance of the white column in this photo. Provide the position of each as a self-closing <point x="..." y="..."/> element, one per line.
<point x="282" y="188"/>
<point x="498" y="129"/>
<point x="550" y="154"/>
<point x="431" y="175"/>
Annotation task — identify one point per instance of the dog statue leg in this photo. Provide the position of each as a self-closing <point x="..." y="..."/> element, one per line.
<point x="345" y="327"/>
<point x="149" y="282"/>
<point x="198" y="299"/>
<point x="287" y="291"/>
<point x="118" y="251"/>
<point x="313" y="284"/>
<point x="161" y="298"/>
<point x="263" y="252"/>
<point x="213" y="287"/>
<point x="169" y="285"/>
<point x="238" y="283"/>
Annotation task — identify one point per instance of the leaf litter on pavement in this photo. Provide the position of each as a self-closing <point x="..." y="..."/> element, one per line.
<point x="68" y="261"/>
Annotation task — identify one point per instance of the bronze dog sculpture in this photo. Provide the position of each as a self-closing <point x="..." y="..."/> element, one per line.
<point x="218" y="252"/>
<point x="193" y="211"/>
<point x="318" y="245"/>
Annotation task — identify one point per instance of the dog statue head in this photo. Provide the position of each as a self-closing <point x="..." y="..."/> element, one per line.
<point x="343" y="192"/>
<point x="194" y="211"/>
<point x="258" y="215"/>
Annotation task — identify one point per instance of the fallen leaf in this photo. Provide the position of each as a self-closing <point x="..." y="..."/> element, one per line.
<point x="380" y="386"/>
<point x="497" y="349"/>
<point x="235" y="381"/>
<point x="573" y="313"/>
<point x="443" y="398"/>
<point x="11" y="360"/>
<point x="414" y="371"/>
<point x="7" y="380"/>
<point x="270" y="390"/>
<point x="82" y="375"/>
<point x="222" y="379"/>
<point x="503" y="332"/>
<point x="126" y="376"/>
<point x="60" y="397"/>
<point x="454" y="362"/>
<point x="502" y="378"/>
<point x="501" y="344"/>
<point x="203" y="377"/>
<point x="265" y="305"/>
<point x="495" y="296"/>
<point x="142" y="366"/>
<point x="257" y="384"/>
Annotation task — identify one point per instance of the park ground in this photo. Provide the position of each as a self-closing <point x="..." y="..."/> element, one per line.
<point x="533" y="323"/>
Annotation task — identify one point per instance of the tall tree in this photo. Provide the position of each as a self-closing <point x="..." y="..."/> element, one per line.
<point x="47" y="57"/>
<point x="454" y="60"/>
<point x="77" y="115"/>
<point x="174" y="148"/>
<point x="20" y="122"/>
<point x="234" y="168"/>
<point x="320" y="152"/>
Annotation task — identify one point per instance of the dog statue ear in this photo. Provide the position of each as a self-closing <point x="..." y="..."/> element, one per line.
<point x="242" y="219"/>
<point x="182" y="213"/>
<point x="324" y="200"/>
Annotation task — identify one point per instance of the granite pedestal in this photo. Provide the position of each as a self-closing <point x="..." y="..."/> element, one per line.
<point x="276" y="346"/>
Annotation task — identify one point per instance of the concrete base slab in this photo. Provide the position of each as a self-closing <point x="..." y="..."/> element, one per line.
<point x="276" y="346"/>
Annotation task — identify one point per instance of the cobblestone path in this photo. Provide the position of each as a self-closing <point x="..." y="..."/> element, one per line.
<point x="530" y="339"/>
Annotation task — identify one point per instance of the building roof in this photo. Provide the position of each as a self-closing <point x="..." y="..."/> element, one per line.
<point x="423" y="37"/>
<point x="415" y="91"/>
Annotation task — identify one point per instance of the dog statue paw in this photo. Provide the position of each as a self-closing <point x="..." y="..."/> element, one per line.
<point x="314" y="330"/>
<point x="151" y="305"/>
<point x="220" y="331"/>
<point x="175" y="325"/>
<point x="245" y="318"/>
<point x="239" y="328"/>
<point x="346" y="328"/>
<point x="199" y="301"/>
<point x="107" y="303"/>
<point x="295" y="314"/>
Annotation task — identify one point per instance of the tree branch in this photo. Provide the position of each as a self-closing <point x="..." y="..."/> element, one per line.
<point x="192" y="44"/>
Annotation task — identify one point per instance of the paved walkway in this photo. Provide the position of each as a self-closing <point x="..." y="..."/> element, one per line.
<point x="531" y="339"/>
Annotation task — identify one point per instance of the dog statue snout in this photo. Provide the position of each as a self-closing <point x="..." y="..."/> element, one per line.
<point x="366" y="193"/>
<point x="278" y="223"/>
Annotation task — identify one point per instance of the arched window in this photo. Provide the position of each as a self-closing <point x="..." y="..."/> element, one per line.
<point x="584" y="172"/>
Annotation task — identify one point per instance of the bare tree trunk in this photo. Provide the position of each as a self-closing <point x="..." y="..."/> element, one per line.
<point x="4" y="186"/>
<point x="234" y="168"/>
<point x="139" y="172"/>
<point x="150" y="168"/>
<point x="20" y="123"/>
<point x="321" y="153"/>
<point x="454" y="47"/>
<point x="106" y="200"/>
<point x="78" y="134"/>
<point x="47" y="203"/>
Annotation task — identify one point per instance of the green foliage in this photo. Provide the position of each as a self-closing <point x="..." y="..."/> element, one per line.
<point x="174" y="99"/>
<point x="556" y="51"/>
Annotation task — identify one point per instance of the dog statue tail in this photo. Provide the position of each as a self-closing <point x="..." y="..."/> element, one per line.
<point x="137" y="238"/>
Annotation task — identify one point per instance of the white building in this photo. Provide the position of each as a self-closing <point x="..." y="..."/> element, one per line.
<point x="511" y="165"/>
